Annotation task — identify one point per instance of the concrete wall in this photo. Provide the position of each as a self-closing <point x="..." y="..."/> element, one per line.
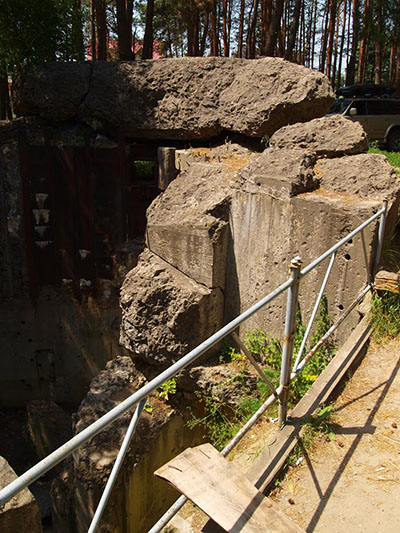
<point x="59" y="319"/>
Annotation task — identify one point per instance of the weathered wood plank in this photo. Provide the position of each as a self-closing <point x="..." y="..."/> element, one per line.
<point x="271" y="460"/>
<point x="224" y="493"/>
<point x="387" y="281"/>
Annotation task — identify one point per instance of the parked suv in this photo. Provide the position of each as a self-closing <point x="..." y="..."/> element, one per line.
<point x="379" y="115"/>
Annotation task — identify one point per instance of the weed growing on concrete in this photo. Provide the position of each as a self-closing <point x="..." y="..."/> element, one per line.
<point x="220" y="420"/>
<point x="385" y="316"/>
<point x="167" y="388"/>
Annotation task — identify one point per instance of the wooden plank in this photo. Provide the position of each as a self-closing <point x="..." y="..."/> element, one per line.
<point x="387" y="281"/>
<point x="271" y="460"/>
<point x="222" y="491"/>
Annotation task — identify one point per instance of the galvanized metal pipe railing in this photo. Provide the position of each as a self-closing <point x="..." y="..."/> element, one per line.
<point x="288" y="337"/>
<point x="314" y="312"/>
<point x="66" y="449"/>
<point x="117" y="466"/>
<point x="299" y="366"/>
<point x="58" y="455"/>
<point x="175" y="508"/>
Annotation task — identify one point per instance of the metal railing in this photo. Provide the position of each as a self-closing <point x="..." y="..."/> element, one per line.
<point x="279" y="394"/>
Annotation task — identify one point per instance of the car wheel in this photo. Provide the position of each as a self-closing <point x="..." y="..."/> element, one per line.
<point x="393" y="141"/>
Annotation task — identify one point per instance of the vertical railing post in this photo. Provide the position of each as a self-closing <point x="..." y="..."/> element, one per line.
<point x="117" y="466"/>
<point x="288" y="340"/>
<point x="381" y="233"/>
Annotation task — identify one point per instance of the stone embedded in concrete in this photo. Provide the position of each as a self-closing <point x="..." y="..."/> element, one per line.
<point x="49" y="426"/>
<point x="52" y="90"/>
<point x="281" y="173"/>
<point x="181" y="98"/>
<point x="21" y="513"/>
<point x="329" y="136"/>
<point x="165" y="313"/>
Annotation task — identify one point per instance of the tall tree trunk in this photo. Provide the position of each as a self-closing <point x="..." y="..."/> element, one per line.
<point x="342" y="40"/>
<point x="304" y="42"/>
<point x="93" y="30"/>
<point x="365" y="33"/>
<point x="241" y="28"/>
<point x="324" y="44"/>
<point x="335" y="48"/>
<point x="124" y="30"/>
<point x="193" y="31"/>
<point x="314" y="31"/>
<point x="226" y="25"/>
<point x="251" y="35"/>
<point x="101" y="23"/>
<point x="379" y="42"/>
<point x="351" y="65"/>
<point x="273" y="31"/>
<point x="5" y="107"/>
<point x="203" y="41"/>
<point x="78" y="50"/>
<point x="214" y="30"/>
<point x="294" y="27"/>
<point x="331" y="33"/>
<point x="265" y="9"/>
<point x="147" y="52"/>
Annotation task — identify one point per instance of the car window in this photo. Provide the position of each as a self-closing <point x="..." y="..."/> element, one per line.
<point x="383" y="107"/>
<point x="339" y="105"/>
<point x="379" y="107"/>
<point x="360" y="106"/>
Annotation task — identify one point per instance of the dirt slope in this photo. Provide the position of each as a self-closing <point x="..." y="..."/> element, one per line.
<point x="352" y="482"/>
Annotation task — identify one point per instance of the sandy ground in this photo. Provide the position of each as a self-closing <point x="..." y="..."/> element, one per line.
<point x="347" y="482"/>
<point x="352" y="482"/>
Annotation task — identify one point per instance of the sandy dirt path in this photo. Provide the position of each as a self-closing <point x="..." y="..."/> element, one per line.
<point x="351" y="482"/>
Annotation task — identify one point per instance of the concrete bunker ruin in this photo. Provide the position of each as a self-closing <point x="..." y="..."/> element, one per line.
<point x="218" y="238"/>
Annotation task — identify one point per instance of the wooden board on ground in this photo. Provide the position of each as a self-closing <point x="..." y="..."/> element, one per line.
<point x="224" y="493"/>
<point x="271" y="460"/>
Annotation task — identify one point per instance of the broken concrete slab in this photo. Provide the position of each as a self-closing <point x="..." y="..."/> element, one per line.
<point x="367" y="176"/>
<point x="187" y="226"/>
<point x="180" y="98"/>
<point x="282" y="173"/>
<point x="165" y="313"/>
<point x="52" y="90"/>
<point x="49" y="426"/>
<point x="329" y="136"/>
<point x="21" y="511"/>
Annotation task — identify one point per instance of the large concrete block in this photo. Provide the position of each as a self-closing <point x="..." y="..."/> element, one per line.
<point x="188" y="224"/>
<point x="21" y="513"/>
<point x="177" y="98"/>
<point x="165" y="313"/>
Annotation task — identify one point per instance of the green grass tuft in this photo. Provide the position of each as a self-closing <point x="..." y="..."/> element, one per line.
<point x="392" y="157"/>
<point x="385" y="316"/>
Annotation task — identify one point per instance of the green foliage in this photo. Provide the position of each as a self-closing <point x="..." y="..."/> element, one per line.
<point x="167" y="388"/>
<point x="385" y="316"/>
<point x="392" y="157"/>
<point x="33" y="31"/>
<point x="144" y="170"/>
<point x="221" y="421"/>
